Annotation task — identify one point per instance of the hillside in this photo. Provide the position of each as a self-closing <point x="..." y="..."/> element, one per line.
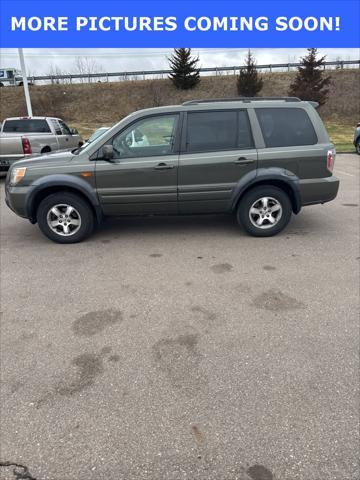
<point x="88" y="106"/>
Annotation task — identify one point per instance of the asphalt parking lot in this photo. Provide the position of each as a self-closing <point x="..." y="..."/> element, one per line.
<point x="181" y="348"/>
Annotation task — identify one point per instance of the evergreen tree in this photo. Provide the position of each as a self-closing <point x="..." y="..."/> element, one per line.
<point x="185" y="73"/>
<point x="249" y="82"/>
<point x="310" y="82"/>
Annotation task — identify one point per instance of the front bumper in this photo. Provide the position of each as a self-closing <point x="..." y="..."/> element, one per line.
<point x="16" y="199"/>
<point x="318" y="190"/>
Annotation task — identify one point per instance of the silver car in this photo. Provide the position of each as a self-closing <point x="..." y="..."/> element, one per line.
<point x="357" y="138"/>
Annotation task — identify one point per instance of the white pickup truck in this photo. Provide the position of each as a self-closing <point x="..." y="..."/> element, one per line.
<point x="28" y="136"/>
<point x="10" y="77"/>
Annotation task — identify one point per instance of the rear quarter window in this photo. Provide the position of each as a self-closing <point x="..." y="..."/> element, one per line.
<point x="286" y="127"/>
<point x="26" y="126"/>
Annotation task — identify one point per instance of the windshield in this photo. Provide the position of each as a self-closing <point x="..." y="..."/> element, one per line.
<point x="97" y="134"/>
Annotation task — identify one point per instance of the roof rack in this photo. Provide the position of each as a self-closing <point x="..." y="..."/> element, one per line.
<point x="241" y="99"/>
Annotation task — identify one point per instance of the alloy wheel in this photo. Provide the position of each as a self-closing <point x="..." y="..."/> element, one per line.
<point x="265" y="212"/>
<point x="63" y="219"/>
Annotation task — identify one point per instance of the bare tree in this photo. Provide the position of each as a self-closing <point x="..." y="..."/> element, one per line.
<point x="54" y="71"/>
<point x="156" y="92"/>
<point x="87" y="66"/>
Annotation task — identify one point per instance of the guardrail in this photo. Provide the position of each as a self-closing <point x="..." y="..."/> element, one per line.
<point x="142" y="74"/>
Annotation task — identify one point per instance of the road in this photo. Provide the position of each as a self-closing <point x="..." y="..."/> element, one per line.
<point x="180" y="348"/>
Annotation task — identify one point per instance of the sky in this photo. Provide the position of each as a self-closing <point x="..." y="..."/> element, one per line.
<point x="45" y="61"/>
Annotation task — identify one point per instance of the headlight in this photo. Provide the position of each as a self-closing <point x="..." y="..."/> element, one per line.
<point x="17" y="174"/>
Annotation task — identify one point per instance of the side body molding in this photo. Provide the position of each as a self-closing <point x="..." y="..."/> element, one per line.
<point x="275" y="175"/>
<point x="63" y="180"/>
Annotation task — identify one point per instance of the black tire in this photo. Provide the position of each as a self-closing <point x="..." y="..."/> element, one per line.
<point x="249" y="201"/>
<point x="358" y="146"/>
<point x="82" y="214"/>
<point x="45" y="150"/>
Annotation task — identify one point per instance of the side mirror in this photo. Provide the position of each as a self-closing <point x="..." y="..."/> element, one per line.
<point x="74" y="131"/>
<point x="107" y="152"/>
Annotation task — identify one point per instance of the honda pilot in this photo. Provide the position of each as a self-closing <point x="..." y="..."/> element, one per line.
<point x="260" y="159"/>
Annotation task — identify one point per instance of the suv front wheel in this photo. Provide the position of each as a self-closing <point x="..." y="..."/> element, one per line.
<point x="65" y="217"/>
<point x="264" y="211"/>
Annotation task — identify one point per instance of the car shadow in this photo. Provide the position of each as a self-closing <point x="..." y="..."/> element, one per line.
<point x="176" y="225"/>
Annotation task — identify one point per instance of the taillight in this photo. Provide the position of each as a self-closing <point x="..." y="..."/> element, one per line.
<point x="26" y="146"/>
<point x="330" y="160"/>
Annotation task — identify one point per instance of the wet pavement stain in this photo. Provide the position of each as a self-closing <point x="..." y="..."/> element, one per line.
<point x="24" y="337"/>
<point x="206" y="313"/>
<point x="242" y="288"/>
<point x="275" y="300"/>
<point x="269" y="268"/>
<point x="222" y="268"/>
<point x="259" y="472"/>
<point x="301" y="233"/>
<point x="16" y="386"/>
<point x="350" y="204"/>
<point x="106" y="350"/>
<point x="114" y="358"/>
<point x="88" y="367"/>
<point x="105" y="241"/>
<point x="199" y="436"/>
<point x="83" y="372"/>
<point x="179" y="358"/>
<point x="155" y="255"/>
<point x="95" y="322"/>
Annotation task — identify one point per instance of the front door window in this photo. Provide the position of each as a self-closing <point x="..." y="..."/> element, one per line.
<point x="152" y="136"/>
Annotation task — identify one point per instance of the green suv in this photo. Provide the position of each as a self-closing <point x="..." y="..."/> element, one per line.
<point x="261" y="159"/>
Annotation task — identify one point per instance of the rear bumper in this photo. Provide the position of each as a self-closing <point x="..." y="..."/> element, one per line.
<point x="7" y="160"/>
<point x="318" y="190"/>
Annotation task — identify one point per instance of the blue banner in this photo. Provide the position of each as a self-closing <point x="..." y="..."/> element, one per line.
<point x="196" y="24"/>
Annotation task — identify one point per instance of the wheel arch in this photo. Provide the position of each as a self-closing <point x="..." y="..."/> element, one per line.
<point x="49" y="185"/>
<point x="276" y="177"/>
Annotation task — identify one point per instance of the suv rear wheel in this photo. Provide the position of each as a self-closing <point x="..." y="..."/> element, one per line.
<point x="264" y="211"/>
<point x="65" y="218"/>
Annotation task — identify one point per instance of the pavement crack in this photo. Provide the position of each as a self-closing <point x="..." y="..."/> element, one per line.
<point x="20" y="472"/>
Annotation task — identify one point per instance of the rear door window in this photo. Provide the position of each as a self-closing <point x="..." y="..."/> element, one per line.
<point x="56" y="126"/>
<point x="64" y="128"/>
<point x="26" y="126"/>
<point x="286" y="127"/>
<point x="218" y="130"/>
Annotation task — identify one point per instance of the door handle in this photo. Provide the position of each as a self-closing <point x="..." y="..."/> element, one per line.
<point x="243" y="161"/>
<point x="163" y="166"/>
